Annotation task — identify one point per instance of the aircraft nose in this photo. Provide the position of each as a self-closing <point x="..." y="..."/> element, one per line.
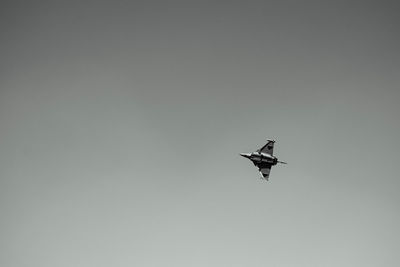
<point x="246" y="155"/>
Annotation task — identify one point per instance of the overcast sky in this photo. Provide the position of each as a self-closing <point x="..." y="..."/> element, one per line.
<point x="121" y="124"/>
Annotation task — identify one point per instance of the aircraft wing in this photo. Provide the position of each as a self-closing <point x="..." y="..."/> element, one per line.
<point x="268" y="148"/>
<point x="265" y="169"/>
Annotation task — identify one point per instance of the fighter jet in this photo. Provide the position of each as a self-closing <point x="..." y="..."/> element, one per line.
<point x="263" y="159"/>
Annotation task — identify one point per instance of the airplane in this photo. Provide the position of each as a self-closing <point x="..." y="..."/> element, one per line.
<point x="263" y="159"/>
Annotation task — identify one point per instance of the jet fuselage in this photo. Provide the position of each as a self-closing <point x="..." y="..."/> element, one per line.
<point x="259" y="157"/>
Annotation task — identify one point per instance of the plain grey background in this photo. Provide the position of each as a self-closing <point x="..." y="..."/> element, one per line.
<point x="121" y="124"/>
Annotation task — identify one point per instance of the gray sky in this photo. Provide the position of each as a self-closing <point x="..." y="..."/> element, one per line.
<point x="121" y="124"/>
